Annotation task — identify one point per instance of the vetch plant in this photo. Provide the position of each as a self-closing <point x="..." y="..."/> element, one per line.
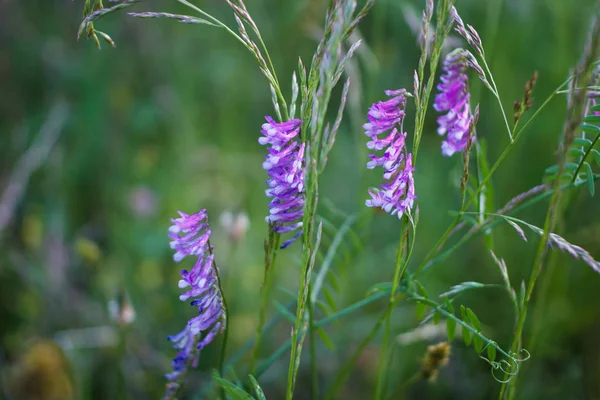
<point x="190" y="236"/>
<point x="299" y="140"/>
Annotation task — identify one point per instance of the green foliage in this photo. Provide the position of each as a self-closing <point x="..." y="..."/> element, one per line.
<point x="235" y="392"/>
<point x="583" y="150"/>
<point x="257" y="389"/>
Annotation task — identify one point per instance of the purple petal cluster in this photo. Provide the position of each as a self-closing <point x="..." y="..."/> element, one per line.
<point x="190" y="236"/>
<point x="285" y="165"/>
<point x="397" y="194"/>
<point x="453" y="98"/>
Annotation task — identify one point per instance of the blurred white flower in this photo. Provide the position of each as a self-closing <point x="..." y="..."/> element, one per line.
<point x="236" y="225"/>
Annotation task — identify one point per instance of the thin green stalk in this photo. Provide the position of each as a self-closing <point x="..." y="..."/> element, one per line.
<point x="575" y="111"/>
<point x="309" y="255"/>
<point x="497" y="96"/>
<point x="215" y="20"/>
<point x="227" y="320"/>
<point x="398" y="272"/>
<point x="321" y="324"/>
<point x="584" y="157"/>
<point x="270" y="256"/>
<point x="461" y="323"/>
<point x="348" y="365"/>
<point x="314" y="373"/>
<point x="490" y="224"/>
<point x="535" y="271"/>
<point x="440" y="243"/>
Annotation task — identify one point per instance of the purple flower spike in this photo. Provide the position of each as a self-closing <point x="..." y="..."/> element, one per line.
<point x="397" y="195"/>
<point x="454" y="98"/>
<point x="285" y="165"/>
<point x="190" y="237"/>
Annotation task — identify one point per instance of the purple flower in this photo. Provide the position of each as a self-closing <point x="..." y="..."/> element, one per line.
<point x="285" y="165"/>
<point x="397" y="195"/>
<point x="190" y="237"/>
<point x="454" y="96"/>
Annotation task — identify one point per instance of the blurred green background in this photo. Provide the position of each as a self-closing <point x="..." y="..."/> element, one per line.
<point x="169" y="120"/>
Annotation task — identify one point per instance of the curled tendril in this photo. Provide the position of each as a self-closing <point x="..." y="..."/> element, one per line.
<point x="500" y="380"/>
<point x="513" y="370"/>
<point x="527" y="355"/>
<point x="509" y="367"/>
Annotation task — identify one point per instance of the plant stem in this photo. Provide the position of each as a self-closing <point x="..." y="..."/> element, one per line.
<point x="575" y="111"/>
<point x="270" y="255"/>
<point x="314" y="373"/>
<point x="440" y="243"/>
<point x="497" y="96"/>
<point x="347" y="368"/>
<point x="226" y="327"/>
<point x="490" y="224"/>
<point x="398" y="272"/>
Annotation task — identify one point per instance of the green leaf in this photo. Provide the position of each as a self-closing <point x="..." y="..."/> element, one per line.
<point x="325" y="338"/>
<point x="477" y="343"/>
<point x="470" y="219"/>
<point x="329" y="298"/>
<point x="473" y="319"/>
<point x="259" y="392"/>
<point x="466" y="334"/>
<point x="421" y="290"/>
<point x="463" y="313"/>
<point x="436" y="318"/>
<point x="596" y="154"/>
<point x="522" y="293"/>
<point x="566" y="176"/>
<point x="581" y="142"/>
<point x="595" y="129"/>
<point x="549" y="178"/>
<point x="186" y="19"/>
<point x="590" y="178"/>
<point x="284" y="312"/>
<point x="595" y="108"/>
<point x="486" y="195"/>
<point x="594" y="119"/>
<point x="235" y="392"/>
<point x="451" y="329"/>
<point x="333" y="281"/>
<point x="379" y="287"/>
<point x="449" y="305"/>
<point x="554" y="169"/>
<point x="463" y="286"/>
<point x="576" y="152"/>
<point x="323" y="307"/>
<point x="420" y="311"/>
<point x="491" y="352"/>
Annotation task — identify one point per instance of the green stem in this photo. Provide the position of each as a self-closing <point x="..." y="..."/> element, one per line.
<point x="314" y="373"/>
<point x="215" y="20"/>
<point x="348" y="366"/>
<point x="497" y="96"/>
<point x="226" y="327"/>
<point x="587" y="153"/>
<point x="440" y="243"/>
<point x="270" y="255"/>
<point x="460" y="322"/>
<point x="490" y="224"/>
<point x="535" y="271"/>
<point x="398" y="272"/>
